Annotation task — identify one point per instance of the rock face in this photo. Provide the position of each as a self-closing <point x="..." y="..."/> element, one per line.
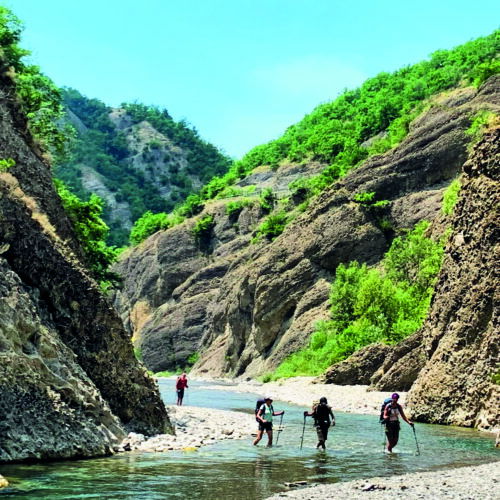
<point x="244" y="306"/>
<point x="69" y="383"/>
<point x="461" y="334"/>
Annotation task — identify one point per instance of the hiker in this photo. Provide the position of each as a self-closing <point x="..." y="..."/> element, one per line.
<point x="180" y="385"/>
<point x="392" y="412"/>
<point x="265" y="418"/>
<point x="321" y="413"/>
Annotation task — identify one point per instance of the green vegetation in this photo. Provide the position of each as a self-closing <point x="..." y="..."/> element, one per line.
<point x="150" y="223"/>
<point x="103" y="147"/>
<point x="372" y="305"/>
<point x="272" y="226"/>
<point x="481" y="121"/>
<point x="450" y="197"/>
<point x="6" y="163"/>
<point x="39" y="98"/>
<point x="233" y="208"/>
<point x="202" y="228"/>
<point x="91" y="232"/>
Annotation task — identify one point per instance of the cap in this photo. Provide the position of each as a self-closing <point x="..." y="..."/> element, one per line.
<point x="269" y="397"/>
<point x="395" y="396"/>
<point x="323" y="400"/>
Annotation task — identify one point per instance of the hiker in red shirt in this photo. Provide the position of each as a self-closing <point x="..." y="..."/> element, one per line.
<point x="180" y="385"/>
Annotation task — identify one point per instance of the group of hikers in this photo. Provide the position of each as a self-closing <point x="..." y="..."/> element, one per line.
<point x="324" y="418"/>
<point x="321" y="413"/>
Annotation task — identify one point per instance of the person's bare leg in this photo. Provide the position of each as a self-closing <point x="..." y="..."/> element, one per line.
<point x="269" y="438"/>
<point x="258" y="438"/>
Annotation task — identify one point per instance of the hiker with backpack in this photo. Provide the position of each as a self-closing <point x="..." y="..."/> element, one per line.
<point x="321" y="413"/>
<point x="264" y="416"/>
<point x="392" y="410"/>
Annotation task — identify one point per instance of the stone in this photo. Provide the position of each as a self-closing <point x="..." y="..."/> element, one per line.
<point x="3" y="482"/>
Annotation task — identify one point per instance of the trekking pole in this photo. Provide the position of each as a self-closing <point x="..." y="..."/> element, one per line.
<point x="383" y="436"/>
<point x="416" y="442"/>
<point x="279" y="429"/>
<point x="303" y="430"/>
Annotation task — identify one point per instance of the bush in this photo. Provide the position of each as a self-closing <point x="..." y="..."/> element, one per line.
<point x="203" y="227"/>
<point x="91" y="232"/>
<point x="272" y="226"/>
<point x="450" y="197"/>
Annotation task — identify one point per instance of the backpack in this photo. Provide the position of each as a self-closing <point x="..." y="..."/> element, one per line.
<point x="387" y="401"/>
<point x="321" y="413"/>
<point x="258" y="405"/>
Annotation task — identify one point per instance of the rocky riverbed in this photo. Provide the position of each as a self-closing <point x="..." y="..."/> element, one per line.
<point x="304" y="390"/>
<point x="481" y="482"/>
<point x="194" y="427"/>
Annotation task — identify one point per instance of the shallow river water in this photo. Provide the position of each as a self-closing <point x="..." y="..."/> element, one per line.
<point x="235" y="469"/>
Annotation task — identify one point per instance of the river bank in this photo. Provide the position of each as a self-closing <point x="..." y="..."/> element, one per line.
<point x="481" y="482"/>
<point x="303" y="391"/>
<point x="194" y="427"/>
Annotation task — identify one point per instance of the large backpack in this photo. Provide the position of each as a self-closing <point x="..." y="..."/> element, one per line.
<point x="387" y="401"/>
<point x="258" y="405"/>
<point x="321" y="413"/>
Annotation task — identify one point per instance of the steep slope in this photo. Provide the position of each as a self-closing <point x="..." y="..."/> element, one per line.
<point x="246" y="307"/>
<point x="69" y="383"/>
<point x="461" y="335"/>
<point x="136" y="158"/>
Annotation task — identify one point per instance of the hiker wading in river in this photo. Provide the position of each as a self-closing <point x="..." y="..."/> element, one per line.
<point x="392" y="412"/>
<point x="180" y="385"/>
<point x="265" y="418"/>
<point x="321" y="413"/>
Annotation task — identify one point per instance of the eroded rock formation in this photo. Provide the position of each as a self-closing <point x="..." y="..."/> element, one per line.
<point x="69" y="383"/>
<point x="246" y="307"/>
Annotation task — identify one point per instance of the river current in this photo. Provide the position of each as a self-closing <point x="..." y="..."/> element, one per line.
<point x="234" y="469"/>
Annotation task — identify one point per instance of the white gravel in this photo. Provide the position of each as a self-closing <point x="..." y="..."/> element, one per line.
<point x="302" y="391"/>
<point x="194" y="427"/>
<point x="479" y="482"/>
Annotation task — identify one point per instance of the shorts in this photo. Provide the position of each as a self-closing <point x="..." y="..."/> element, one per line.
<point x="265" y="426"/>
<point x="322" y="432"/>
<point x="180" y="393"/>
<point x="392" y="430"/>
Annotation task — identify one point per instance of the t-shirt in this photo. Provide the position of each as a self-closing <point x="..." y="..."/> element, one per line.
<point x="267" y="414"/>
<point x="181" y="383"/>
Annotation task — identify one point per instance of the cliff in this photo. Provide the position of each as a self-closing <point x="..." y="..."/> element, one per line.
<point x="245" y="306"/>
<point x="69" y="383"/>
<point x="460" y="338"/>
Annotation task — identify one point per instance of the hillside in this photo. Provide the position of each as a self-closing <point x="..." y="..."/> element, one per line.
<point x="136" y="158"/>
<point x="243" y="283"/>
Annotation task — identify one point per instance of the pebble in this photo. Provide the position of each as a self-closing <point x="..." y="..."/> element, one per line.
<point x="194" y="427"/>
<point x="3" y="482"/>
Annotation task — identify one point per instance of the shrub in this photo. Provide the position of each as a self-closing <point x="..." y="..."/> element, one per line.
<point x="450" y="197"/>
<point x="6" y="163"/>
<point x="235" y="207"/>
<point x="272" y="226"/>
<point x="91" y="232"/>
<point x="203" y="227"/>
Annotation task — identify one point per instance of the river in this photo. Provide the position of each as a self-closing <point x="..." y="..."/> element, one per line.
<point x="234" y="469"/>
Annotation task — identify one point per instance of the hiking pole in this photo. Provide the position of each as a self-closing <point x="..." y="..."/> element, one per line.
<point x="279" y="429"/>
<point x="303" y="430"/>
<point x="416" y="442"/>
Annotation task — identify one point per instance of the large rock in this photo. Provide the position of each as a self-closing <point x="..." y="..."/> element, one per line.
<point x="461" y="333"/>
<point x="358" y="368"/>
<point x="267" y="297"/>
<point x="69" y="383"/>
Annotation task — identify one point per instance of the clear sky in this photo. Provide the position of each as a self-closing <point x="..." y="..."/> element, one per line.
<point x="240" y="71"/>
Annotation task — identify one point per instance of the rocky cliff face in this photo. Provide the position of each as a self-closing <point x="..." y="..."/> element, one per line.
<point x="461" y="334"/>
<point x="246" y="307"/>
<point x="69" y="383"/>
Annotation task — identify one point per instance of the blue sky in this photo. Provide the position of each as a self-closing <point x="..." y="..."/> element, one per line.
<point x="240" y="71"/>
